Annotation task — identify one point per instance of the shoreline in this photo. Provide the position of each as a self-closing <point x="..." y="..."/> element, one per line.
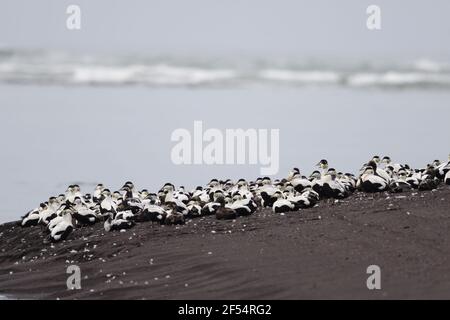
<point x="317" y="253"/>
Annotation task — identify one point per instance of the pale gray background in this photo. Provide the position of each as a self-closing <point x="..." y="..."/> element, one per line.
<point x="250" y="27"/>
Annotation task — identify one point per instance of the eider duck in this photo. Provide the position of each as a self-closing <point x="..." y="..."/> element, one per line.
<point x="386" y="161"/>
<point x="173" y="217"/>
<point x="60" y="217"/>
<point x="108" y="205"/>
<point x="152" y="212"/>
<point x="400" y="184"/>
<point x="125" y="215"/>
<point x="82" y="213"/>
<point x="371" y="182"/>
<point x="282" y="205"/>
<point x="63" y="228"/>
<point x="300" y="182"/>
<point x="223" y="212"/>
<point x="32" y="217"/>
<point x="97" y="195"/>
<point x="307" y="199"/>
<point x="349" y="181"/>
<point x="292" y="174"/>
<point x="181" y="195"/>
<point x="242" y="207"/>
<point x="442" y="169"/>
<point x="429" y="179"/>
<point x="323" y="164"/>
<point x="179" y="205"/>
<point x="378" y="171"/>
<point x="201" y="194"/>
<point x="194" y="209"/>
<point x="46" y="214"/>
<point x="210" y="208"/>
<point x="267" y="193"/>
<point x="117" y="224"/>
<point x="331" y="187"/>
<point x="414" y="178"/>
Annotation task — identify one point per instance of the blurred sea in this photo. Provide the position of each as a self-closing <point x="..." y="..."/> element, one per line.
<point x="52" y="67"/>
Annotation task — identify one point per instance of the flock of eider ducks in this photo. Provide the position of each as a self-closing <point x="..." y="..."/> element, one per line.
<point x="122" y="209"/>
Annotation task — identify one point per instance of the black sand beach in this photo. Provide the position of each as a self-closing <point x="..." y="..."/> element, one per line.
<point x="321" y="252"/>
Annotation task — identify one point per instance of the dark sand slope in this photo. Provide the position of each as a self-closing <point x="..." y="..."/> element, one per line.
<point x="318" y="253"/>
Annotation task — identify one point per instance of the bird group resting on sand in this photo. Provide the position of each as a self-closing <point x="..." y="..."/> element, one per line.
<point x="225" y="199"/>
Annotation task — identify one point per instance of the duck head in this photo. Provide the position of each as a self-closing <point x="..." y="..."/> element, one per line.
<point x="323" y="164"/>
<point x="376" y="159"/>
<point x="386" y="160"/>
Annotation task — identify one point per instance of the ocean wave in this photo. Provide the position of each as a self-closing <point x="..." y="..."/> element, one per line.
<point x="300" y="76"/>
<point x="399" y="79"/>
<point x="160" y="74"/>
<point x="43" y="67"/>
<point x="431" y="66"/>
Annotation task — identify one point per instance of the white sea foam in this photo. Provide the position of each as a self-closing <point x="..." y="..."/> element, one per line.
<point x="431" y="66"/>
<point x="160" y="74"/>
<point x="105" y="75"/>
<point x="163" y="74"/>
<point x="395" y="78"/>
<point x="301" y="76"/>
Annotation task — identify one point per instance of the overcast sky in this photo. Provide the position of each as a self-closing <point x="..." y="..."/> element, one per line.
<point x="281" y="28"/>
